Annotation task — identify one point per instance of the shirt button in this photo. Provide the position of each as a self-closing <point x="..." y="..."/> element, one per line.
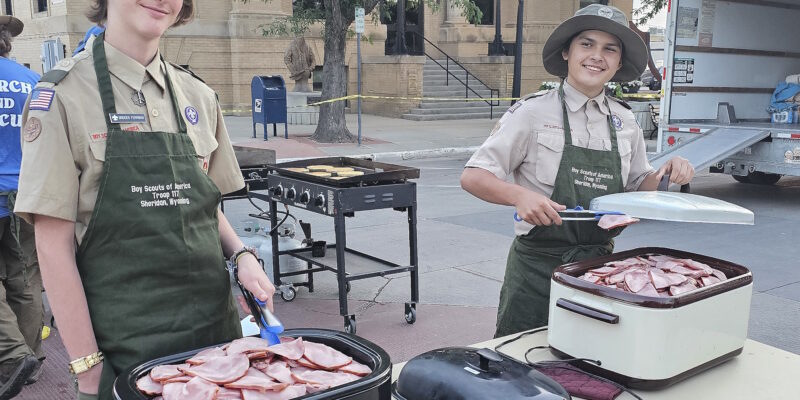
<point x="154" y="112"/>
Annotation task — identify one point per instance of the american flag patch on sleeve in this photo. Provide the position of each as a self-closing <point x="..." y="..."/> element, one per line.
<point x="41" y="99"/>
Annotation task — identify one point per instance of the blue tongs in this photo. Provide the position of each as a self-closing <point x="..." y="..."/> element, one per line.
<point x="267" y="323"/>
<point x="587" y="215"/>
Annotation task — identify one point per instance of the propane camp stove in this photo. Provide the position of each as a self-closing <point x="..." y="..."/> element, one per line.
<point x="381" y="186"/>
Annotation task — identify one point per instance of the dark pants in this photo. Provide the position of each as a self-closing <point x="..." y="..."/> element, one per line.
<point x="21" y="312"/>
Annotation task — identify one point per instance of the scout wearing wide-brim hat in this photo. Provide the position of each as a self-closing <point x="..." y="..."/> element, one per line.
<point x="602" y="18"/>
<point x="13" y="24"/>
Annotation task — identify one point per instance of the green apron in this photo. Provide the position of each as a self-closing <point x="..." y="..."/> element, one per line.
<point x="525" y="295"/>
<point x="151" y="261"/>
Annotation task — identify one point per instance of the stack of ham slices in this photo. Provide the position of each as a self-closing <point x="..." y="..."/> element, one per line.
<point x="251" y="369"/>
<point x="655" y="275"/>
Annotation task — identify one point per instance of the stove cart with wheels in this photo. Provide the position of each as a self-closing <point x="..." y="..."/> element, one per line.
<point x="339" y="187"/>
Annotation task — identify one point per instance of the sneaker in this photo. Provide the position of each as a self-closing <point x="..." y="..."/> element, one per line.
<point x="37" y="372"/>
<point x="13" y="375"/>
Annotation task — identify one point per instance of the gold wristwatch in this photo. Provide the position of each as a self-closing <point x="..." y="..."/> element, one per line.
<point x="83" y="364"/>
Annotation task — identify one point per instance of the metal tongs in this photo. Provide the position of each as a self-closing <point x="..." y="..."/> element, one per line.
<point x="268" y="324"/>
<point x="582" y="215"/>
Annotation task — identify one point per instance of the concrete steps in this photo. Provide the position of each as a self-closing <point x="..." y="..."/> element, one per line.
<point x="435" y="84"/>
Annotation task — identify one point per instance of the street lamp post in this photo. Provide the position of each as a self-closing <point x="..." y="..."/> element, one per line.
<point x="497" y="45"/>
<point x="518" y="52"/>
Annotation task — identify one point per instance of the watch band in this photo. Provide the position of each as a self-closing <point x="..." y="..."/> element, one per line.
<point x="83" y="364"/>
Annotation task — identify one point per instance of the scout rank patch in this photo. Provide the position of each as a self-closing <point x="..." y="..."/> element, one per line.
<point x="617" y="121"/>
<point x="138" y="98"/>
<point x="32" y="129"/>
<point x="191" y="115"/>
<point x="41" y="99"/>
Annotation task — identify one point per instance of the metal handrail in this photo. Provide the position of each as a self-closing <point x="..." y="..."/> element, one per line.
<point x="467" y="74"/>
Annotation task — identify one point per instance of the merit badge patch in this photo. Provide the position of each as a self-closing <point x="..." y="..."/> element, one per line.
<point x="41" y="99"/>
<point x="191" y="115"/>
<point x="617" y="121"/>
<point x="32" y="129"/>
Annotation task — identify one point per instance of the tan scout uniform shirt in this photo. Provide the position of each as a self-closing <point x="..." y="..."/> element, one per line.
<point x="62" y="166"/>
<point x="527" y="142"/>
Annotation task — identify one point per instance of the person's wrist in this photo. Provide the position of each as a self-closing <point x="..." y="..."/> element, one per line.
<point x="89" y="381"/>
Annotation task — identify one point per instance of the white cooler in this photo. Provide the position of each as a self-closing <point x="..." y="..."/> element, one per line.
<point x="647" y="342"/>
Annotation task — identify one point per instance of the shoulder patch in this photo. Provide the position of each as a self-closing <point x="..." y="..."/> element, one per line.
<point x="621" y="102"/>
<point x="54" y="76"/>
<point x="187" y="70"/>
<point x="41" y="99"/>
<point x="519" y="102"/>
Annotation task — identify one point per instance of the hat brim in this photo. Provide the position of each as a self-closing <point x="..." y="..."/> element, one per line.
<point x="634" y="54"/>
<point x="13" y="24"/>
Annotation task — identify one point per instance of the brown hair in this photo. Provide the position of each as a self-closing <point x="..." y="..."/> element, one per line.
<point x="5" y="42"/>
<point x="99" y="12"/>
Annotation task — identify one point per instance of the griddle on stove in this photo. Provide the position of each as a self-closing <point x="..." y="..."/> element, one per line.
<point x="382" y="186"/>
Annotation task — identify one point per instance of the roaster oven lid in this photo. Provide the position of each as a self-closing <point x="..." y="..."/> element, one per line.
<point x="469" y="373"/>
<point x="674" y="206"/>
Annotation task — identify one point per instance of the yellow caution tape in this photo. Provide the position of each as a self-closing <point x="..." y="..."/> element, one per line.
<point x="45" y="332"/>
<point x="641" y="96"/>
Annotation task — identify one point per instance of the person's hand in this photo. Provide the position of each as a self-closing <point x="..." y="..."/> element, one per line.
<point x="679" y="169"/>
<point x="255" y="280"/>
<point x="89" y="381"/>
<point x="537" y="209"/>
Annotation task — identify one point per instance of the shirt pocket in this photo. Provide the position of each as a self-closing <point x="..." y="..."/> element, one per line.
<point x="97" y="146"/>
<point x="550" y="148"/>
<point x="204" y="146"/>
<point x="625" y="152"/>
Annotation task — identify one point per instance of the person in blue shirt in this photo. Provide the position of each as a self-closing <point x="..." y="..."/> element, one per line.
<point x="21" y="311"/>
<point x="93" y="31"/>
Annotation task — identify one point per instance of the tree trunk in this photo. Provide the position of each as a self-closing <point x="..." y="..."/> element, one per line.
<point x="332" y="127"/>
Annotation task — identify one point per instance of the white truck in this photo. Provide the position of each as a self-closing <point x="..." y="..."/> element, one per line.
<point x="723" y="60"/>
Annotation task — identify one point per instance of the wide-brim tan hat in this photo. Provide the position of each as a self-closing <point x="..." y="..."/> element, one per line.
<point x="601" y="18"/>
<point x="13" y="24"/>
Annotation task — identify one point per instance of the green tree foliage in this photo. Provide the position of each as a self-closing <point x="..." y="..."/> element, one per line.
<point x="648" y="10"/>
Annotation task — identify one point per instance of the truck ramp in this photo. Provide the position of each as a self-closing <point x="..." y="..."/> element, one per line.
<point x="712" y="146"/>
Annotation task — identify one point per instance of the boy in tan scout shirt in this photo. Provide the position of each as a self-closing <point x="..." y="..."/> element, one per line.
<point x="131" y="240"/>
<point x="560" y="149"/>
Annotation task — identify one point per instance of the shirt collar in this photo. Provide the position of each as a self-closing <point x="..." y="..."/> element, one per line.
<point x="130" y="72"/>
<point x="576" y="100"/>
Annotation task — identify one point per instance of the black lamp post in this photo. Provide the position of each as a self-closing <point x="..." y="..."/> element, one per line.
<point x="518" y="52"/>
<point x="497" y="46"/>
<point x="400" y="40"/>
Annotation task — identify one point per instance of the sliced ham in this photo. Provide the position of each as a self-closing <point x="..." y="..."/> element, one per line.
<point x="709" y="280"/>
<point x="182" y="378"/>
<point x="635" y="281"/>
<point x="229" y="394"/>
<point x="258" y="355"/>
<point x="224" y="369"/>
<point x="316" y="377"/>
<point x="315" y="388"/>
<point x="610" y="221"/>
<point x="659" y="279"/>
<point x="279" y="371"/>
<point x="148" y="386"/>
<point x="289" y="393"/>
<point x="204" y="355"/>
<point x="356" y="368"/>
<point x="697" y="265"/>
<point x="676" y="279"/>
<point x="195" y="389"/>
<point x="325" y="356"/>
<point x="256" y="380"/>
<point x="719" y="274"/>
<point x="679" y="290"/>
<point x="648" y="290"/>
<point x="290" y="350"/>
<point x="161" y="373"/>
<point x="304" y="362"/>
<point x="246" y="345"/>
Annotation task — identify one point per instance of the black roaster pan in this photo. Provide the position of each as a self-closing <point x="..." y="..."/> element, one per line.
<point x="375" y="386"/>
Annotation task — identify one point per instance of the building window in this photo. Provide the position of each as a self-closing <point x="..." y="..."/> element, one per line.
<point x="7" y="9"/>
<point x="487" y="7"/>
<point x="41" y="5"/>
<point x="585" y="3"/>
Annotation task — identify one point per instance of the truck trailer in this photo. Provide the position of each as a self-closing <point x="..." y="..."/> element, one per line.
<point x="722" y="62"/>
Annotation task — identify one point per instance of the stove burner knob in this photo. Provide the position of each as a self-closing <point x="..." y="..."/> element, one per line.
<point x="277" y="190"/>
<point x="291" y="193"/>
<point x="305" y="197"/>
<point x="319" y="201"/>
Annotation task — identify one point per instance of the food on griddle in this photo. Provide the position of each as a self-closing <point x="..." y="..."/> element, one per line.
<point x="342" y="169"/>
<point x="249" y="368"/>
<point x="302" y="170"/>
<point x="320" y="173"/>
<point x="610" y="221"/>
<point x="655" y="275"/>
<point x="318" y="168"/>
<point x="347" y="174"/>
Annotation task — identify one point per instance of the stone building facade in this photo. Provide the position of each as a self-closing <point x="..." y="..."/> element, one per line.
<point x="225" y="46"/>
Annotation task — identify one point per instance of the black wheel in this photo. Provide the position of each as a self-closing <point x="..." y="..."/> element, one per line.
<point x="288" y="294"/>
<point x="350" y="324"/>
<point x="742" y="178"/>
<point x="411" y="313"/>
<point x="763" y="178"/>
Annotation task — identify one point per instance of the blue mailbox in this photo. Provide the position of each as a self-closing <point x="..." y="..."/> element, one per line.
<point x="269" y="103"/>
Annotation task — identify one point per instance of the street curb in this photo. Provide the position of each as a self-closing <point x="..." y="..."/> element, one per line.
<point x="406" y="155"/>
